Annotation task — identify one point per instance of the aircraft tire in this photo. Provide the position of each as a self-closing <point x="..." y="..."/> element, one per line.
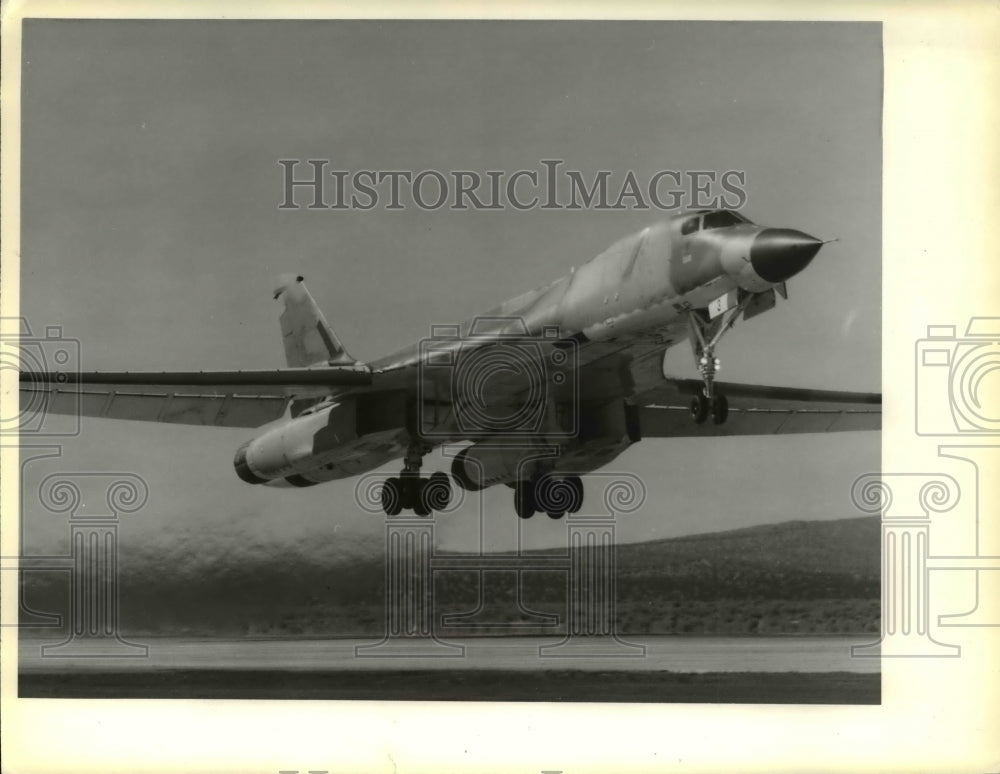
<point x="435" y="494"/>
<point x="420" y="506"/>
<point x="699" y="409"/>
<point x="577" y="501"/>
<point x="555" y="494"/>
<point x="524" y="499"/>
<point x="392" y="496"/>
<point x="720" y="409"/>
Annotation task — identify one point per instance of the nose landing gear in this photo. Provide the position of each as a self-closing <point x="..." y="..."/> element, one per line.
<point x="709" y="402"/>
<point x="705" y="335"/>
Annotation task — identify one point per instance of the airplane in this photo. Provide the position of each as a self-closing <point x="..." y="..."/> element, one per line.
<point x="542" y="389"/>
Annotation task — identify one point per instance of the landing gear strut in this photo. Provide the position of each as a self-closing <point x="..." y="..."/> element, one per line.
<point x="411" y="492"/>
<point x="705" y="335"/>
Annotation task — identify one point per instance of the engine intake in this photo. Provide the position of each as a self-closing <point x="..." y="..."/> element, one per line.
<point x="242" y="469"/>
<point x="298" y="445"/>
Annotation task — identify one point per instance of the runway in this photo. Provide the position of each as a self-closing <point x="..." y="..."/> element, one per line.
<point x="645" y="669"/>
<point x="651" y="653"/>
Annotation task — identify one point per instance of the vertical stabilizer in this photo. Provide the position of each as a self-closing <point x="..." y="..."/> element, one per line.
<point x="308" y="338"/>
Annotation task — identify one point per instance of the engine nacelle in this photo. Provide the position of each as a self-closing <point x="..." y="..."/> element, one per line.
<point x="298" y="445"/>
<point x="605" y="430"/>
<point x="484" y="464"/>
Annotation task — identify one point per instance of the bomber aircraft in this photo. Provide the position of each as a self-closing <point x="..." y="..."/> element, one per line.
<point x="546" y="387"/>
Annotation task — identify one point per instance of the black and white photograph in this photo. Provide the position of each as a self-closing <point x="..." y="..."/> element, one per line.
<point x="517" y="365"/>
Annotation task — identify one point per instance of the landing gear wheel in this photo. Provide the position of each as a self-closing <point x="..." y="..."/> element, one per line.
<point x="524" y="499"/>
<point x="420" y="507"/>
<point x="417" y="500"/>
<point x="720" y="409"/>
<point x="435" y="494"/>
<point x="411" y="491"/>
<point x="576" y="498"/>
<point x="699" y="409"/>
<point x="392" y="496"/>
<point x="552" y="495"/>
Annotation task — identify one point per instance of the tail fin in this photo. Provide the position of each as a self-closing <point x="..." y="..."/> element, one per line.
<point x="308" y="338"/>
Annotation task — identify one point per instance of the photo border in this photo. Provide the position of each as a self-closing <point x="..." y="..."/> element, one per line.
<point x="940" y="198"/>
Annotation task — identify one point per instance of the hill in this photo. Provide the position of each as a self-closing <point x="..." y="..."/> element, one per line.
<point x="787" y="578"/>
<point x="793" y="577"/>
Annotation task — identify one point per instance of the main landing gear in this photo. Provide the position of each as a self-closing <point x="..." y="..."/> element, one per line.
<point x="550" y="493"/>
<point x="409" y="491"/>
<point x="705" y="335"/>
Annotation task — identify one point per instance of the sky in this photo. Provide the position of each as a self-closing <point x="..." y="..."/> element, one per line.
<point x="151" y="233"/>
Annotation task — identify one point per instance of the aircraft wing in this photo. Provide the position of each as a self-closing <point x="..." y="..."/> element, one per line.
<point x="216" y="398"/>
<point x="757" y="410"/>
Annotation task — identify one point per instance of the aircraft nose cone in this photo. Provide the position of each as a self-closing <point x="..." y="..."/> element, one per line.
<point x="779" y="253"/>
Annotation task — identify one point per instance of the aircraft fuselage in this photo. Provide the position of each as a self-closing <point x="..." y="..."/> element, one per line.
<point x="641" y="291"/>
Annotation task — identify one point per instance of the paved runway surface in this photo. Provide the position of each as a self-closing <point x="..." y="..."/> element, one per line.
<point x="653" y="653"/>
<point x="812" y="670"/>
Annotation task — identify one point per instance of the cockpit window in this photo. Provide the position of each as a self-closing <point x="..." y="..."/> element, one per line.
<point x="722" y="218"/>
<point x="690" y="225"/>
